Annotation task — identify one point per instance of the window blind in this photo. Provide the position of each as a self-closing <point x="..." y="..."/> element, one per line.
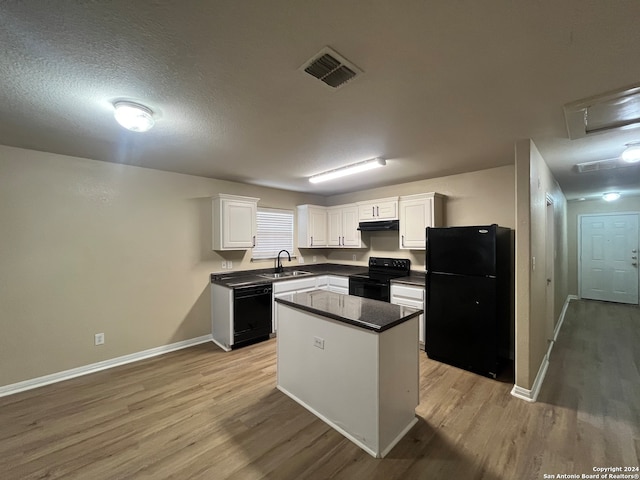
<point x="274" y="233"/>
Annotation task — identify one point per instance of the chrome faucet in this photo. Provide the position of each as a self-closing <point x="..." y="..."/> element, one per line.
<point x="279" y="268"/>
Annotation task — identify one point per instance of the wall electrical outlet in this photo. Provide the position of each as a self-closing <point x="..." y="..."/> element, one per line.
<point x="99" y="338"/>
<point x="353" y="257"/>
<point x="224" y="264"/>
<point x="314" y="259"/>
<point x="300" y="259"/>
<point x="318" y="342"/>
<point x="229" y="264"/>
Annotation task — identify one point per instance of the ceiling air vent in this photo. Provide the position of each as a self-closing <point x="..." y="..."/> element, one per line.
<point x="331" y="68"/>
<point x="607" y="112"/>
<point x="597" y="165"/>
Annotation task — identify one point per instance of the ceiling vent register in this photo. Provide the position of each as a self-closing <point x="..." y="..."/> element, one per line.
<point x="598" y="165"/>
<point x="331" y="68"/>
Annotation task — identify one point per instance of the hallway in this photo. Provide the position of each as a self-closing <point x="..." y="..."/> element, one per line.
<point x="591" y="393"/>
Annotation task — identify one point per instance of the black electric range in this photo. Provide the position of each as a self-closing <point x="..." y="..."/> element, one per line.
<point x="376" y="283"/>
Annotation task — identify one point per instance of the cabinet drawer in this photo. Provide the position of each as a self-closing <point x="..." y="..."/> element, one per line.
<point x="407" y="292"/>
<point x="294" y="285"/>
<point x="339" y="282"/>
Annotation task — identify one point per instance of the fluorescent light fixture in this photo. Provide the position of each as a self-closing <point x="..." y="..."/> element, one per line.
<point x="632" y="153"/>
<point x="348" y="170"/>
<point x="611" y="196"/>
<point x="133" y="116"/>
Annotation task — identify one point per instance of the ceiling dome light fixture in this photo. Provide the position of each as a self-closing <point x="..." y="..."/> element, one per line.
<point x="632" y="153"/>
<point x="133" y="116"/>
<point x="611" y="196"/>
<point x="348" y="170"/>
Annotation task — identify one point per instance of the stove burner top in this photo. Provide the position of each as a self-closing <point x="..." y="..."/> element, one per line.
<point x="376" y="283"/>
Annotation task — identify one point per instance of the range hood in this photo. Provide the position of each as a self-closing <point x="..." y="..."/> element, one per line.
<point x="379" y="226"/>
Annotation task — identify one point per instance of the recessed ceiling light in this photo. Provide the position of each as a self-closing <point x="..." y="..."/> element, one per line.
<point x="348" y="170"/>
<point x="611" y="196"/>
<point x="133" y="116"/>
<point x="631" y="153"/>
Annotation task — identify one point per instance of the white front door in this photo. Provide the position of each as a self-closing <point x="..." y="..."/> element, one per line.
<point x="609" y="257"/>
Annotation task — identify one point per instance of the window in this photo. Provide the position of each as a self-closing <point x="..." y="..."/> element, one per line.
<point x="275" y="232"/>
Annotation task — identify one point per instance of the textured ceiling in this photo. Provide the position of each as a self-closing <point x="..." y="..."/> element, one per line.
<point x="448" y="87"/>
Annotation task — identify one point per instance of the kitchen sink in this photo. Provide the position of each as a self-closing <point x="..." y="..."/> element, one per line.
<point x="294" y="273"/>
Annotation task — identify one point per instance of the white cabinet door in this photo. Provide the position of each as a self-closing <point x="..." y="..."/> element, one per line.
<point x="387" y="210"/>
<point x="342" y="226"/>
<point x="350" y="233"/>
<point x="417" y="212"/>
<point x="334" y="226"/>
<point x="318" y="227"/>
<point x="234" y="222"/>
<point x="382" y="209"/>
<point x="312" y="226"/>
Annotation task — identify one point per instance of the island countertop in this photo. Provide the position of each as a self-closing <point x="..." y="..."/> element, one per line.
<point x="358" y="311"/>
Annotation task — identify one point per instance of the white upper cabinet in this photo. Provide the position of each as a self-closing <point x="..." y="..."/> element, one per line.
<point x="312" y="226"/>
<point x="417" y="212"/>
<point x="382" y="209"/>
<point x="234" y="222"/>
<point x="342" y="225"/>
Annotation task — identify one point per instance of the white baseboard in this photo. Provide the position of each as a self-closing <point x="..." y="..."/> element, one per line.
<point x="96" y="367"/>
<point x="562" y="314"/>
<point x="532" y="395"/>
<point x="351" y="437"/>
<point x="221" y="345"/>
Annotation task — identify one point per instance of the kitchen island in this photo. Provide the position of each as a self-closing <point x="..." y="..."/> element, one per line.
<point x="351" y="361"/>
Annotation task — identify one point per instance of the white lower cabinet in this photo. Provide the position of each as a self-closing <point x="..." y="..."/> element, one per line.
<point x="338" y="284"/>
<point x="222" y="316"/>
<point x="333" y="283"/>
<point x="410" y="296"/>
<point x="291" y="286"/>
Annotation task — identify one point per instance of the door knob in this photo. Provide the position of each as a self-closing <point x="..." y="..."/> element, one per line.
<point x="634" y="264"/>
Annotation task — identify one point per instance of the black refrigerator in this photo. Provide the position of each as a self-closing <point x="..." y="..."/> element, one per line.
<point x="469" y="301"/>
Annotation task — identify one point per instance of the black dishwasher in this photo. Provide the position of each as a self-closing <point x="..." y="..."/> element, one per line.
<point x="251" y="314"/>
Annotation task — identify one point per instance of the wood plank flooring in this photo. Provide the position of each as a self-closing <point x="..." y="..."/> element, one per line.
<point x="201" y="413"/>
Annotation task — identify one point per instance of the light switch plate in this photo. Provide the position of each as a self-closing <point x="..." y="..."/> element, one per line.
<point x="318" y="342"/>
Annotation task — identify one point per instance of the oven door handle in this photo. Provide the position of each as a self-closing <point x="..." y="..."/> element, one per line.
<point x="370" y="284"/>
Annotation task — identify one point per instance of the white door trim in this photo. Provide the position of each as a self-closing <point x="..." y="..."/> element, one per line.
<point x="579" y="238"/>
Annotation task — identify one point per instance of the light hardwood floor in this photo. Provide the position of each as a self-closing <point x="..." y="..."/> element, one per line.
<point x="201" y="413"/>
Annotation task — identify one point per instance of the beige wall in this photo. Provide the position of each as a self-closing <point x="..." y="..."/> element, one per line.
<point x="576" y="208"/>
<point x="88" y="247"/>
<point x="476" y="198"/>
<point x="534" y="183"/>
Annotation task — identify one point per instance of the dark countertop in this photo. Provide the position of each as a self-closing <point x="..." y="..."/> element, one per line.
<point x="415" y="279"/>
<point x="358" y="311"/>
<point x="251" y="277"/>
